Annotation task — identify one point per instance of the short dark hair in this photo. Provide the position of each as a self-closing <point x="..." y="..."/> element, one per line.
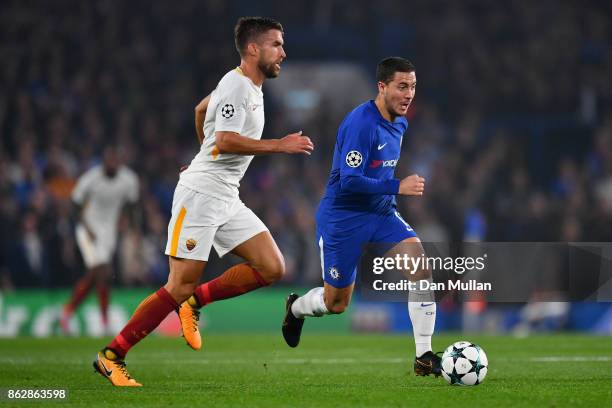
<point x="248" y="28"/>
<point x="387" y="68"/>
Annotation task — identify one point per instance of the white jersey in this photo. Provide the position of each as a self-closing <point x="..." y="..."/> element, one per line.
<point x="236" y="105"/>
<point x="103" y="198"/>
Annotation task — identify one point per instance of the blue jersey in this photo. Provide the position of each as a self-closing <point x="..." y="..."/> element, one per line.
<point x="366" y="153"/>
<point x="359" y="204"/>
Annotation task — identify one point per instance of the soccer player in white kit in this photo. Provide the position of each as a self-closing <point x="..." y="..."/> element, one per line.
<point x="207" y="211"/>
<point x="100" y="194"/>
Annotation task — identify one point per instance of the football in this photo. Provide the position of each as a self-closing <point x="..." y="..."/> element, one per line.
<point x="464" y="363"/>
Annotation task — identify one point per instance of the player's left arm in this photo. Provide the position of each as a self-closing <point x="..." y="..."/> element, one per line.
<point x="229" y="123"/>
<point x="200" y="115"/>
<point x="132" y="205"/>
<point x="233" y="142"/>
<point x="134" y="214"/>
<point x="80" y="197"/>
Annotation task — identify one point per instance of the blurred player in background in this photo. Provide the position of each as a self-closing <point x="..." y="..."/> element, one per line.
<point x="207" y="211"/>
<point x="99" y="196"/>
<point x="359" y="206"/>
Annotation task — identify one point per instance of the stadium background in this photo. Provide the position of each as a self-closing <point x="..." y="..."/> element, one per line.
<point x="511" y="126"/>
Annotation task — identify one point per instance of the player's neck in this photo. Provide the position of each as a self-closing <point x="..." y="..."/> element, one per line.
<point x="252" y="72"/>
<point x="380" y="104"/>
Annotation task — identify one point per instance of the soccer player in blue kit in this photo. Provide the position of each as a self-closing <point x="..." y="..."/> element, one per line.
<point x="359" y="207"/>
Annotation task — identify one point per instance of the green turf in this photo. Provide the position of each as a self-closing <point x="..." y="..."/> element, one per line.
<point x="326" y="370"/>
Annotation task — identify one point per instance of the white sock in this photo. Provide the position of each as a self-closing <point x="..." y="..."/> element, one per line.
<point x="311" y="304"/>
<point x="422" y="311"/>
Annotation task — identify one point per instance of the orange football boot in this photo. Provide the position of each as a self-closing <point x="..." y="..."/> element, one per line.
<point x="114" y="369"/>
<point x="189" y="316"/>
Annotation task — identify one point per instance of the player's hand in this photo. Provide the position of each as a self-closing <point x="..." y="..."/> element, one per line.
<point x="183" y="168"/>
<point x="412" y="185"/>
<point x="296" y="143"/>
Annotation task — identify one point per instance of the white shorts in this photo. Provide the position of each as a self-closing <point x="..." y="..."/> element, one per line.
<point x="95" y="252"/>
<point x="200" y="221"/>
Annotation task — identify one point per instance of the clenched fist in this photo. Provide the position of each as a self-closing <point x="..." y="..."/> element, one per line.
<point x="412" y="185"/>
<point x="296" y="143"/>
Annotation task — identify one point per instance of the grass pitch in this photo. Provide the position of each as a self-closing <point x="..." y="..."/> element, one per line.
<point x="324" y="371"/>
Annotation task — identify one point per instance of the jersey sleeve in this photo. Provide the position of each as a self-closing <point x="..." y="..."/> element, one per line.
<point x="231" y="109"/>
<point x="83" y="187"/>
<point x="357" y="142"/>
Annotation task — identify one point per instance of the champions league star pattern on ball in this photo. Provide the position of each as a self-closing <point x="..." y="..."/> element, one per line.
<point x="464" y="363"/>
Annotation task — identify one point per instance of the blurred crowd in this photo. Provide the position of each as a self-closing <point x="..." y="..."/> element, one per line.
<point x="511" y="126"/>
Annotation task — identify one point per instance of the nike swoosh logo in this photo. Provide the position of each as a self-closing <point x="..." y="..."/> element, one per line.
<point x="381" y="146"/>
<point x="108" y="373"/>
<point x="426" y="304"/>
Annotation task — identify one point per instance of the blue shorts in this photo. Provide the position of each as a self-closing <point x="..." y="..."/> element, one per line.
<point x="340" y="241"/>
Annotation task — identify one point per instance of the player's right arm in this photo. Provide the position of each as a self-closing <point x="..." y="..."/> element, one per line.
<point x="232" y="142"/>
<point x="200" y="115"/>
<point x="79" y="210"/>
<point x="80" y="197"/>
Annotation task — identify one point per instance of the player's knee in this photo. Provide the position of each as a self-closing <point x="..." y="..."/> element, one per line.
<point x="421" y="274"/>
<point x="181" y="291"/>
<point x="273" y="269"/>
<point x="102" y="276"/>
